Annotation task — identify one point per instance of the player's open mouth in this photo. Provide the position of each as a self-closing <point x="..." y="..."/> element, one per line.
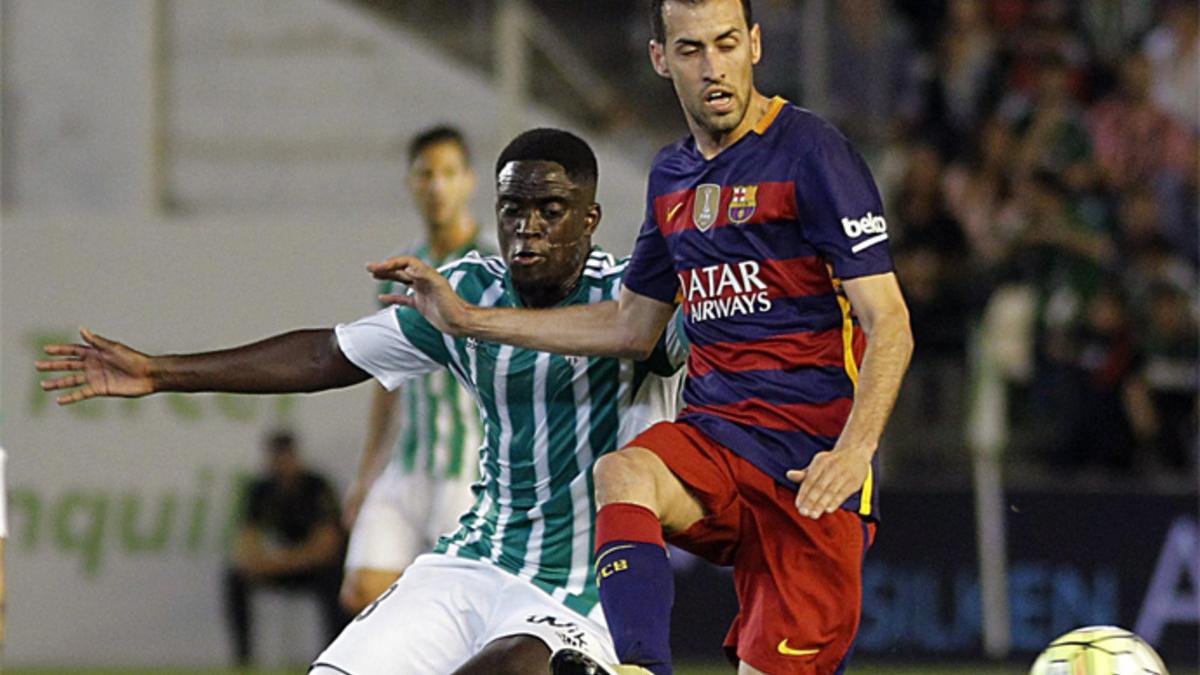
<point x="527" y="258"/>
<point x="719" y="100"/>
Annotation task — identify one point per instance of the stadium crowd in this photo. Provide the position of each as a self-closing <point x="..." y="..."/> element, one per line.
<point x="1040" y="172"/>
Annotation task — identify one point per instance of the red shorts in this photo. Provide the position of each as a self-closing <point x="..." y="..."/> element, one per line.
<point x="798" y="580"/>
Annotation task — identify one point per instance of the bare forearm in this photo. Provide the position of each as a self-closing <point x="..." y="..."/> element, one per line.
<point x="299" y="361"/>
<point x="585" y="330"/>
<point x="889" y="349"/>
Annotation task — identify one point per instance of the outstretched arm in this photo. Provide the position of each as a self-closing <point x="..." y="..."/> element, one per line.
<point x="626" y="328"/>
<point x="833" y="476"/>
<point x="299" y="361"/>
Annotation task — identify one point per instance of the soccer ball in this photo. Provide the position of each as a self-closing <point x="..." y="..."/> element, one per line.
<point x="1098" y="650"/>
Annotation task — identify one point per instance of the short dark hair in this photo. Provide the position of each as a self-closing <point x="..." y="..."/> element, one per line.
<point x="659" y="28"/>
<point x="553" y="145"/>
<point x="281" y="439"/>
<point x="443" y="133"/>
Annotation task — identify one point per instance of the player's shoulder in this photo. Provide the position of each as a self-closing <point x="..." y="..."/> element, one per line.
<point x="673" y="160"/>
<point x="473" y="274"/>
<point x="603" y="266"/>
<point x="801" y="131"/>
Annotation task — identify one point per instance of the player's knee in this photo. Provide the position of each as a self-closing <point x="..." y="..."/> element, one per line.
<point x="515" y="655"/>
<point x="362" y="586"/>
<point x="627" y="476"/>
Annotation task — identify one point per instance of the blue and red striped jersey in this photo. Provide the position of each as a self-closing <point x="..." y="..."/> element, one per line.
<point x="755" y="243"/>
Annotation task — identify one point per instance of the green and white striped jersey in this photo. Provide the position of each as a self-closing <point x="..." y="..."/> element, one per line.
<point x="438" y="430"/>
<point x="546" y="419"/>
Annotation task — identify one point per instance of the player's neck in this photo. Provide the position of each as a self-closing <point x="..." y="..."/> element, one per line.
<point x="449" y="238"/>
<point x="712" y="144"/>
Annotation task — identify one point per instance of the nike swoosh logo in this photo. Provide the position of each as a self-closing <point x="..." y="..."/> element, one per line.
<point x="788" y="651"/>
<point x="673" y="211"/>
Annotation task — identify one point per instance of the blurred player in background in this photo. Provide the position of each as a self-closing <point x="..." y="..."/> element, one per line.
<point x="513" y="583"/>
<point x="768" y="226"/>
<point x="290" y="538"/>
<point x="398" y="512"/>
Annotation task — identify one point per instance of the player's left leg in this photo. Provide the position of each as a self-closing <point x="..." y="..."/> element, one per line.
<point x="387" y="536"/>
<point x="640" y="492"/>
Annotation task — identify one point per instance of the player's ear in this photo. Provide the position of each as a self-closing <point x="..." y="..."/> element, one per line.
<point x="756" y="44"/>
<point x="592" y="220"/>
<point x="658" y="59"/>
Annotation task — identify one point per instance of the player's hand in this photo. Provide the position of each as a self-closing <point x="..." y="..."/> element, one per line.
<point x="99" y="367"/>
<point x="431" y="294"/>
<point x="829" y="481"/>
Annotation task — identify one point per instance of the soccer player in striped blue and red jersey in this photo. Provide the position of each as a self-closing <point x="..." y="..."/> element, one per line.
<point x="766" y="225"/>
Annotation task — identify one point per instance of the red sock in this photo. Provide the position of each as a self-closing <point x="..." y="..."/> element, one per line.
<point x="622" y="521"/>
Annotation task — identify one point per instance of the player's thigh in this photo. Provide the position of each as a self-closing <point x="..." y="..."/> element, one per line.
<point x="429" y="619"/>
<point x="362" y="585"/>
<point x="513" y="655"/>
<point x="636" y="475"/>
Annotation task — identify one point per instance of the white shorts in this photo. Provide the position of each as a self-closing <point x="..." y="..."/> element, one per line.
<point x="402" y="517"/>
<point x="444" y="610"/>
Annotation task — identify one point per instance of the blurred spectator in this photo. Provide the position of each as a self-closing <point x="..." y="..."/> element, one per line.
<point x="1049" y="126"/>
<point x="1163" y="397"/>
<point x="1135" y="142"/>
<point x="289" y="539"/>
<point x="979" y="193"/>
<point x="929" y="250"/>
<point x="1173" y="48"/>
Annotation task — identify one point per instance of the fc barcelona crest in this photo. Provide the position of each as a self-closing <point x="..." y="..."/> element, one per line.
<point x="708" y="202"/>
<point x="743" y="203"/>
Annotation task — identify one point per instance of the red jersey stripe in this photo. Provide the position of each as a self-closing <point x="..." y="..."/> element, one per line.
<point x="779" y="352"/>
<point x="817" y="419"/>
<point x="771" y="202"/>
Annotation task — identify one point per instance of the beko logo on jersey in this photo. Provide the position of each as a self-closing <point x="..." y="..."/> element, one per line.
<point x="869" y="224"/>
<point x="725" y="290"/>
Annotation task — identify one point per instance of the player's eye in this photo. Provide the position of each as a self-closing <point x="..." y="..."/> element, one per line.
<point x="508" y="209"/>
<point x="689" y="51"/>
<point x="727" y="45"/>
<point x="553" y="212"/>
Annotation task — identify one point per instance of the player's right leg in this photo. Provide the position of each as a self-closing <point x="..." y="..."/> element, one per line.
<point x="386" y="537"/>
<point x="638" y="496"/>
<point x="427" y="621"/>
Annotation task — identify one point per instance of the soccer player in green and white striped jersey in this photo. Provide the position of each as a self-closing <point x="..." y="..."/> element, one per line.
<point x="513" y="583"/>
<point x="415" y="473"/>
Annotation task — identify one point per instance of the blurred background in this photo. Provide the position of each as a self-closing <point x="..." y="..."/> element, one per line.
<point x="188" y="174"/>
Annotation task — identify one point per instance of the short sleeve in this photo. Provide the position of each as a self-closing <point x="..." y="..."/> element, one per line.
<point x="651" y="270"/>
<point x="393" y="345"/>
<point x="841" y="212"/>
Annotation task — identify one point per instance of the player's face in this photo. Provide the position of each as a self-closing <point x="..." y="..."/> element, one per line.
<point x="441" y="182"/>
<point x="709" y="56"/>
<point x="545" y="222"/>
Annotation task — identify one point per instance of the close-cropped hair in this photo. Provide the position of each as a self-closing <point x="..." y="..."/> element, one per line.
<point x="443" y="133"/>
<point x="659" y="29"/>
<point x="553" y="145"/>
